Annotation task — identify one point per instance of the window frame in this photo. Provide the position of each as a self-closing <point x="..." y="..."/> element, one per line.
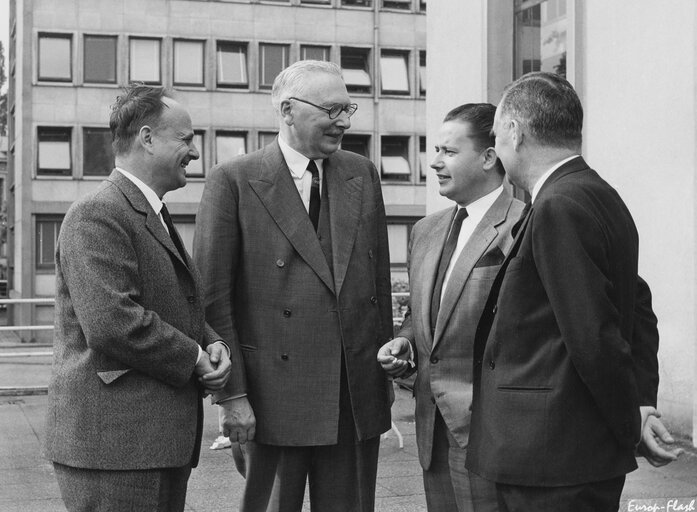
<point x="202" y="44"/>
<point x="265" y="133"/>
<point x="159" y="57"/>
<point x="396" y="176"/>
<point x="362" y="137"/>
<point x="54" y="35"/>
<point x="115" y="40"/>
<point x="40" y="265"/>
<point x="220" y="45"/>
<point x="422" y="74"/>
<point x="53" y="172"/>
<point x="326" y="48"/>
<point x="365" y="54"/>
<point x="267" y="85"/>
<point x="230" y="133"/>
<point x="404" y="56"/>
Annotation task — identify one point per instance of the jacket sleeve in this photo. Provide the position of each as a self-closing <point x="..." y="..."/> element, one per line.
<point x="216" y="253"/>
<point x="645" y="346"/>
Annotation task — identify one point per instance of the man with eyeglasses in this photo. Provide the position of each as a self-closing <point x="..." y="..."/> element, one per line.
<point x="292" y="245"/>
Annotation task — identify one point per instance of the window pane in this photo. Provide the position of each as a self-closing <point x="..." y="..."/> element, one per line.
<point x="422" y="73"/>
<point x="54" y="151"/>
<point x="145" y="60"/>
<point x="394" y="75"/>
<point x="354" y="68"/>
<point x="540" y="37"/>
<point x="398" y="235"/>
<point x="356" y="144"/>
<point x="314" y="53"/>
<point x="266" y="138"/>
<point x="274" y="58"/>
<point x="423" y="162"/>
<point x="196" y="167"/>
<point x="98" y="156"/>
<point x="100" y="59"/>
<point x="55" y="58"/>
<point x="422" y="5"/>
<point x="46" y="235"/>
<point x="188" y="62"/>
<point x="232" y="65"/>
<point x="229" y="145"/>
<point x="326" y="2"/>
<point x="362" y="3"/>
<point x="396" y="4"/>
<point x="395" y="158"/>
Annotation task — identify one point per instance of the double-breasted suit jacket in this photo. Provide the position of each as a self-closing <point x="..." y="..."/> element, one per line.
<point x="289" y="315"/>
<point x="129" y="319"/>
<point x="443" y="348"/>
<point x="561" y="362"/>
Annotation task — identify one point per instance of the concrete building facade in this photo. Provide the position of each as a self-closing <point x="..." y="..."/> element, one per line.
<point x="634" y="67"/>
<point x="69" y="58"/>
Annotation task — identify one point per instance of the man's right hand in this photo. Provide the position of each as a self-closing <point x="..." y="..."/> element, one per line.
<point x="239" y="423"/>
<point x="393" y="356"/>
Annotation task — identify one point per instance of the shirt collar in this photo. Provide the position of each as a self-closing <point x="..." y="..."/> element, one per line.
<point x="543" y="178"/>
<point x="296" y="162"/>
<point x="478" y="208"/>
<point x="149" y="193"/>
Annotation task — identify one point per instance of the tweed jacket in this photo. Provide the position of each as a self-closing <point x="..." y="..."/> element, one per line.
<point x="289" y="317"/>
<point x="443" y="347"/>
<point x="129" y="319"/>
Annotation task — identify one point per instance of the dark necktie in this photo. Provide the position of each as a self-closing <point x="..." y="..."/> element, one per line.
<point x="314" y="194"/>
<point x="173" y="232"/>
<point x="446" y="255"/>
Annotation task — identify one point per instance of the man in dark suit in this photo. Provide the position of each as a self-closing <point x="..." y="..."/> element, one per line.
<point x="454" y="256"/>
<point x="292" y="243"/>
<point x="124" y="408"/>
<point x="565" y="351"/>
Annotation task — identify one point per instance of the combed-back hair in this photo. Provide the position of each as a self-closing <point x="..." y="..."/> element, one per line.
<point x="480" y="117"/>
<point x="292" y="81"/>
<point x="138" y="106"/>
<point x="548" y="106"/>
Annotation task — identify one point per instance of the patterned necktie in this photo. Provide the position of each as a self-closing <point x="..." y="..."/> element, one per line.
<point x="173" y="232"/>
<point x="314" y="194"/>
<point x="447" y="254"/>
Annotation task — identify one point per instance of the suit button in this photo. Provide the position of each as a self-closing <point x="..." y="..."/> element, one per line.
<point x="191" y="299"/>
<point x="373" y="299"/>
<point x="287" y="313"/>
<point x="433" y="400"/>
<point x="284" y="357"/>
<point x="492" y="364"/>
<point x="280" y="263"/>
<point x="434" y="360"/>
<point x="370" y="254"/>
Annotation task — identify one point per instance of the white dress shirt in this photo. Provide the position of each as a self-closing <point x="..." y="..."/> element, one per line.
<point x="297" y="163"/>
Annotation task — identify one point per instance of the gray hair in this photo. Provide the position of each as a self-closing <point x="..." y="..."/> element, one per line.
<point x="292" y="80"/>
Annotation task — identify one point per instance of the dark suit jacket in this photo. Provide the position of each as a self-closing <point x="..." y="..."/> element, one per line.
<point x="444" y="358"/>
<point x="129" y="318"/>
<point x="556" y="393"/>
<point x="286" y="314"/>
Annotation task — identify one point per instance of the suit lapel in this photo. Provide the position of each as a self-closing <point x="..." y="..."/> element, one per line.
<point x="344" y="192"/>
<point x="279" y="195"/>
<point x="152" y="221"/>
<point x="484" y="233"/>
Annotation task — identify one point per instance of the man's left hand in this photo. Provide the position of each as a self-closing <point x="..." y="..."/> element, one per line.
<point x="216" y="380"/>
<point x="652" y="432"/>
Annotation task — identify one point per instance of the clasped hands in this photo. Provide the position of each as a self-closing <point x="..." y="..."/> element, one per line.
<point x="213" y="368"/>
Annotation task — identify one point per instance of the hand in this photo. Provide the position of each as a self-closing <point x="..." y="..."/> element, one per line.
<point x="239" y="423"/>
<point x="216" y="379"/>
<point x="652" y="432"/>
<point x="393" y="356"/>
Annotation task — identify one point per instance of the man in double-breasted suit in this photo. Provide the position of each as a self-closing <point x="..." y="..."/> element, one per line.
<point x="451" y="269"/>
<point x="292" y="243"/>
<point x="565" y="368"/>
<point x="132" y="352"/>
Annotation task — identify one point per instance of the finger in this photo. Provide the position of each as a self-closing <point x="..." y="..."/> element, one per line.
<point x="250" y="433"/>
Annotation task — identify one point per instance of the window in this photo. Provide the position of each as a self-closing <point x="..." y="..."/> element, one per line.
<point x="266" y="138"/>
<point x="188" y="62"/>
<point x="56" y="57"/>
<point x="145" y="60"/>
<point x="423" y="162"/>
<point x="540" y="36"/>
<point x="100" y="59"/>
<point x="355" y="69"/>
<point x="97" y="153"/>
<point x="47" y="228"/>
<point x="422" y="5"/>
<point x="361" y="3"/>
<point x="394" y="72"/>
<point x="54" y="157"/>
<point x="195" y="169"/>
<point x="308" y="52"/>
<point x="272" y="60"/>
<point x="394" y="161"/>
<point x="422" y="73"/>
<point x="357" y="143"/>
<point x="229" y="145"/>
<point x="398" y="236"/>
<point x="396" y="4"/>
<point x="232" y="64"/>
<point x="324" y="2"/>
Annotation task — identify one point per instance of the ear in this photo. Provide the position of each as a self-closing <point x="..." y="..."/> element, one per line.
<point x="287" y="112"/>
<point x="145" y="138"/>
<point x="489" y="155"/>
<point x="517" y="135"/>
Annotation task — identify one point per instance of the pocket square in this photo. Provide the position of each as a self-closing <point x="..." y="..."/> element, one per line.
<point x="110" y="376"/>
<point x="491" y="258"/>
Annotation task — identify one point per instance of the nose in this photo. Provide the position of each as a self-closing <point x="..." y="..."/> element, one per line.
<point x="343" y="121"/>
<point x="437" y="163"/>
<point x="193" y="152"/>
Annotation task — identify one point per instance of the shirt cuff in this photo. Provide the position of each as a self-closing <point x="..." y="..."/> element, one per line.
<point x="234" y="397"/>
<point x="200" y="353"/>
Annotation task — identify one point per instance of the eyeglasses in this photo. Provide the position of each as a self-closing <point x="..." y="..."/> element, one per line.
<point x="335" y="110"/>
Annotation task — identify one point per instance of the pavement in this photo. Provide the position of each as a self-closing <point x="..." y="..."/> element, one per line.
<point x="27" y="483"/>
